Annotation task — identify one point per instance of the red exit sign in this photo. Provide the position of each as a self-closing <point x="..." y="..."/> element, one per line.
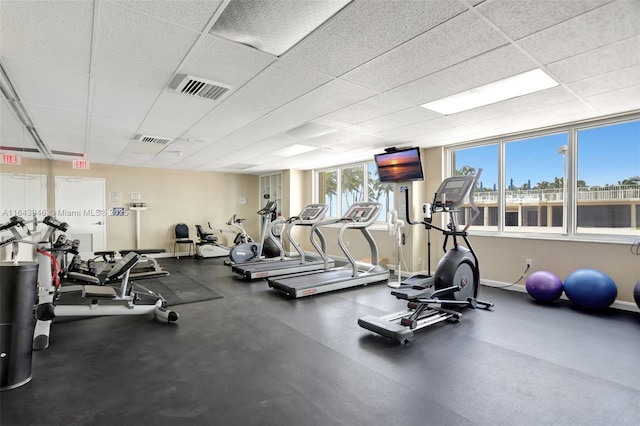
<point x="11" y="159"/>
<point x="81" y="164"/>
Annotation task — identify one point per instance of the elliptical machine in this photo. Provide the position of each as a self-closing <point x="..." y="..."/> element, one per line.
<point x="456" y="280"/>
<point x="251" y="250"/>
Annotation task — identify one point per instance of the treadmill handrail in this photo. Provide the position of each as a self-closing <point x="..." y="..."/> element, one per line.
<point x="299" y="221"/>
<point x="349" y="223"/>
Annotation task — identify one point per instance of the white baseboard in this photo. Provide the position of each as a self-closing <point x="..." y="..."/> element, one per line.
<point x="618" y="304"/>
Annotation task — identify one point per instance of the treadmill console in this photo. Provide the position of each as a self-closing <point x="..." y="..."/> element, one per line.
<point x="311" y="214"/>
<point x="362" y="212"/>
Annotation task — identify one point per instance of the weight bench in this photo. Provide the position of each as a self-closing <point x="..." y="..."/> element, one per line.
<point x="109" y="257"/>
<point x="122" y="300"/>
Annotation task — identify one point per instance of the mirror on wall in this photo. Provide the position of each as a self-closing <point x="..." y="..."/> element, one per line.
<point x="23" y="174"/>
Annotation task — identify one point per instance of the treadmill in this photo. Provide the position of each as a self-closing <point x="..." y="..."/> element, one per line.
<point x="304" y="262"/>
<point x="359" y="216"/>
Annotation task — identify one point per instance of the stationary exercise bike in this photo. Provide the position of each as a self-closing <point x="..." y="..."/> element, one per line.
<point x="252" y="250"/>
<point x="208" y="246"/>
<point x="456" y="279"/>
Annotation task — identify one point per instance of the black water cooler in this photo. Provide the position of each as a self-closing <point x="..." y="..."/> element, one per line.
<point x="18" y="286"/>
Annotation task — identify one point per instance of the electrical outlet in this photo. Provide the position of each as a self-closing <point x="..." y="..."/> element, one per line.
<point x="528" y="263"/>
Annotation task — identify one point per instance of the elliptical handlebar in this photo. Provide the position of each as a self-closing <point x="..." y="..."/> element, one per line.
<point x="442" y="204"/>
<point x="472" y="202"/>
<point x="269" y="208"/>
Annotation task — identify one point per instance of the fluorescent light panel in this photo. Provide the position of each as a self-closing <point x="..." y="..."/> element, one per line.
<point x="498" y="91"/>
<point x="273" y="26"/>
<point x="294" y="149"/>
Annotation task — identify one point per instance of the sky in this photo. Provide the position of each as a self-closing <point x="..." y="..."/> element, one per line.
<point x="606" y="155"/>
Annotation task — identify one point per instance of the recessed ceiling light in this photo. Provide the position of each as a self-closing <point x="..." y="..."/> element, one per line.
<point x="508" y="88"/>
<point x="240" y="166"/>
<point x="198" y="140"/>
<point x="294" y="149"/>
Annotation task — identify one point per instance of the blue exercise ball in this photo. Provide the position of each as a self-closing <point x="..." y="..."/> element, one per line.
<point x="544" y="286"/>
<point x="636" y="293"/>
<point x="590" y="288"/>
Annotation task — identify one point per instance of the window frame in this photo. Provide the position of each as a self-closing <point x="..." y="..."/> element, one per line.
<point x="571" y="231"/>
<point x="339" y="169"/>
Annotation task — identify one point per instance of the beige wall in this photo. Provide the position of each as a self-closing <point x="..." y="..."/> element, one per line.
<point x="502" y="258"/>
<point x="197" y="197"/>
<point x="172" y="196"/>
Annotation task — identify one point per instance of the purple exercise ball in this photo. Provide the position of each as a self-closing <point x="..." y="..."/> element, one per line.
<point x="544" y="286"/>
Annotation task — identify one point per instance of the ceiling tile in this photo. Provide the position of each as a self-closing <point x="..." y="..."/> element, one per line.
<point x="432" y="51"/>
<point x="222" y="121"/>
<point x="100" y="157"/>
<point x="50" y="86"/>
<point x="110" y="145"/>
<point x="367" y="29"/>
<point x="395" y="120"/>
<point x="178" y="109"/>
<point x="521" y="104"/>
<point x="131" y="48"/>
<point x="114" y="128"/>
<point x="278" y="84"/>
<point x="611" y="82"/>
<point x="63" y="141"/>
<point x="609" y="58"/>
<point x="422" y="128"/>
<point x="162" y="130"/>
<point x="130" y="159"/>
<point x="57" y="33"/>
<point x="326" y="99"/>
<point x="521" y="18"/>
<point x="46" y="118"/>
<point x="12" y="132"/>
<point x="503" y="62"/>
<point x="627" y="99"/>
<point x="220" y="60"/>
<point x="191" y="14"/>
<point x="351" y="88"/>
<point x="608" y="24"/>
<point x="129" y="102"/>
<point x="368" y="109"/>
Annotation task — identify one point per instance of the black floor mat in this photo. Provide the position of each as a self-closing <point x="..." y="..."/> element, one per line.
<point x="179" y="289"/>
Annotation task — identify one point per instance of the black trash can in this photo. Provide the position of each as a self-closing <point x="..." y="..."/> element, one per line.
<point x="18" y="287"/>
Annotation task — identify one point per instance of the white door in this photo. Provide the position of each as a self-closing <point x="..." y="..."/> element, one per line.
<point x="80" y="202"/>
<point x="23" y="195"/>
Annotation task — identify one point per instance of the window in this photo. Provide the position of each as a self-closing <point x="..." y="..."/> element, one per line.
<point x="608" y="179"/>
<point x="340" y="187"/>
<point x="573" y="180"/>
<point x="352" y="187"/>
<point x="328" y="190"/>
<point x="534" y="182"/>
<point x="467" y="162"/>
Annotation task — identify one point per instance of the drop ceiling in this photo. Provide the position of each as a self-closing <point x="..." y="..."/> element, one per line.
<point x="94" y="77"/>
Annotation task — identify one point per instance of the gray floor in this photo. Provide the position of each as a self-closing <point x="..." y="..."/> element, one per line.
<point x="258" y="358"/>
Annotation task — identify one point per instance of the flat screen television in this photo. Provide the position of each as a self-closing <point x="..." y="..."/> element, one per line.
<point x="399" y="165"/>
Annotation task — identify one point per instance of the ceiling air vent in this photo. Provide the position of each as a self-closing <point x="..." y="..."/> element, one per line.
<point x="18" y="149"/>
<point x="70" y="154"/>
<point x="157" y="140"/>
<point x="196" y="86"/>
